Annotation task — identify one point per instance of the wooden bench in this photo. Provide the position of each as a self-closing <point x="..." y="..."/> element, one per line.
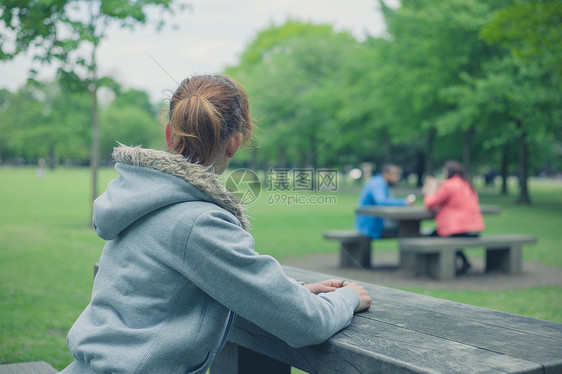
<point x="355" y="248"/>
<point x="403" y="333"/>
<point x="37" y="367"/>
<point x="436" y="256"/>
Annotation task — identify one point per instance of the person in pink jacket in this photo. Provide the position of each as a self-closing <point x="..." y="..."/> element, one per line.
<point x="456" y="204"/>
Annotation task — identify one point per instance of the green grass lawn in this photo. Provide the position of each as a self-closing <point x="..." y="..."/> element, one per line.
<point x="47" y="251"/>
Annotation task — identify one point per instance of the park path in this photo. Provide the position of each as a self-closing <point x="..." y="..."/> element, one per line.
<point x="385" y="273"/>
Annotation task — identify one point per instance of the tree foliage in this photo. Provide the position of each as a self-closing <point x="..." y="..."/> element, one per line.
<point x="466" y="79"/>
<point x="431" y="44"/>
<point x="531" y="30"/>
<point x="58" y="28"/>
<point x="299" y="77"/>
<point x="452" y="79"/>
<point x="42" y="120"/>
<point x="129" y="119"/>
<point x="69" y="33"/>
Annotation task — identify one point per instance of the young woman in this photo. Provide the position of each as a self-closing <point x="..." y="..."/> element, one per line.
<point x="456" y="202"/>
<point x="179" y="263"/>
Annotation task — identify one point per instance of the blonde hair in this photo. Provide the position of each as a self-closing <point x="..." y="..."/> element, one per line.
<point x="205" y="111"/>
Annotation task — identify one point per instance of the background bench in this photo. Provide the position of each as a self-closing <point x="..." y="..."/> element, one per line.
<point x="355" y="248"/>
<point x="436" y="256"/>
<point x="404" y="333"/>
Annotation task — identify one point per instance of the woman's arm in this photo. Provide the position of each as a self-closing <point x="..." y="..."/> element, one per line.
<point x="381" y="196"/>
<point x="436" y="195"/>
<point x="220" y="259"/>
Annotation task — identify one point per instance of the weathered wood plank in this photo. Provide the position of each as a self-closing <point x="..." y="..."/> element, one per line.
<point x="433" y="352"/>
<point x="415" y="212"/>
<point x="478" y="334"/>
<point x="344" y="235"/>
<point x="362" y="347"/>
<point x="491" y="241"/>
<point x="402" y="302"/>
<point x="37" y="367"/>
<point x="505" y="334"/>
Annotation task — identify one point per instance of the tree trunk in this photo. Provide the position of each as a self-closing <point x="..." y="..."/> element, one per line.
<point x="523" y="166"/>
<point x="428" y="154"/>
<point x="93" y="87"/>
<point x="389" y="149"/>
<point x="94" y="153"/>
<point x="282" y="157"/>
<point x="466" y="143"/>
<point x="505" y="161"/>
<point x="314" y="155"/>
<point x="52" y="156"/>
<point x="420" y="167"/>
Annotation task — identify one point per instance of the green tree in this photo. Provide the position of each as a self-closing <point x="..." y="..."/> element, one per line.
<point x="531" y="30"/>
<point x="129" y="119"/>
<point x="43" y="120"/>
<point x="430" y="45"/>
<point x="515" y="105"/>
<point x="136" y="98"/>
<point x="297" y="76"/>
<point x="516" y="98"/>
<point x="20" y="111"/>
<point x="531" y="33"/>
<point x="69" y="33"/>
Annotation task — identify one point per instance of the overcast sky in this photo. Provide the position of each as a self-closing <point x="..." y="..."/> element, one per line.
<point x="208" y="38"/>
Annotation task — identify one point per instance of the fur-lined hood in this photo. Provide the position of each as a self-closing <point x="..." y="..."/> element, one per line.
<point x="138" y="192"/>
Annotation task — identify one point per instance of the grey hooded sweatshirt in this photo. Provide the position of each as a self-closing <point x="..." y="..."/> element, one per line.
<point x="177" y="266"/>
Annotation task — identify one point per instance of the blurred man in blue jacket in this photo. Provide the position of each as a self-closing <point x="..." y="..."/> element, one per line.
<point x="377" y="192"/>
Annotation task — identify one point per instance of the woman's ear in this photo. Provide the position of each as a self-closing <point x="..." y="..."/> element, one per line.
<point x="168" y="135"/>
<point x="233" y="144"/>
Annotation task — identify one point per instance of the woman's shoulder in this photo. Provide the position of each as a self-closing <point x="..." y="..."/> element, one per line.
<point x="455" y="181"/>
<point x="191" y="211"/>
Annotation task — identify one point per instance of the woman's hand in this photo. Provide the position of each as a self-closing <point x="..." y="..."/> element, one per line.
<point x="365" y="303"/>
<point x="333" y="284"/>
<point x="430" y="186"/>
<point x="324" y="286"/>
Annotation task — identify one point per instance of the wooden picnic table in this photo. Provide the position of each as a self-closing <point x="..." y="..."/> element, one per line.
<point x="403" y="332"/>
<point x="36" y="367"/>
<point x="409" y="221"/>
<point x="409" y="217"/>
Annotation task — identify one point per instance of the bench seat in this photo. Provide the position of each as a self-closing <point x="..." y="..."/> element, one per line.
<point x="355" y="248"/>
<point x="37" y="367"/>
<point x="436" y="256"/>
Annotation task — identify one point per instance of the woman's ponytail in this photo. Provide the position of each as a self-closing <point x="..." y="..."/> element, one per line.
<point x="196" y="125"/>
<point x="204" y="112"/>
